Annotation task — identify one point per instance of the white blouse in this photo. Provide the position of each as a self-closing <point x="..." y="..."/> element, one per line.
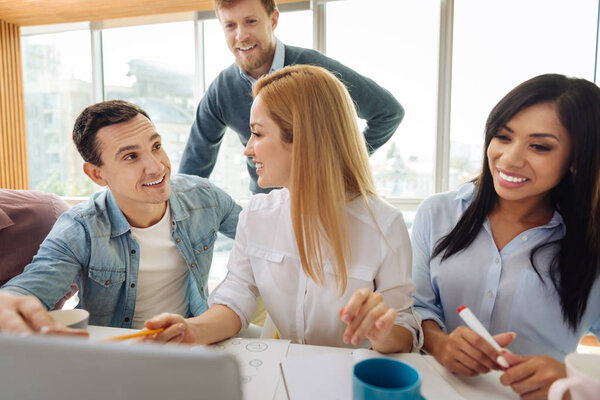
<point x="265" y="262"/>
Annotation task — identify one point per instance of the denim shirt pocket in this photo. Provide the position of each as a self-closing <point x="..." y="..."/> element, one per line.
<point x="102" y="292"/>
<point x="203" y="252"/>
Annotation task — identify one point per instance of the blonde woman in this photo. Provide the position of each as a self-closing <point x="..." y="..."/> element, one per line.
<point x="330" y="259"/>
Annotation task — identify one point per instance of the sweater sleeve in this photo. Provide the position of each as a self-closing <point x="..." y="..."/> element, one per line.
<point x="201" y="150"/>
<point x="382" y="112"/>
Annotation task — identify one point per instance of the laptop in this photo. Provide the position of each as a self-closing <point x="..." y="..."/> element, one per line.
<point x="57" y="368"/>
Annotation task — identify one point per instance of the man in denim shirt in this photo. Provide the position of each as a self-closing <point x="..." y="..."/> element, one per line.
<point x="141" y="247"/>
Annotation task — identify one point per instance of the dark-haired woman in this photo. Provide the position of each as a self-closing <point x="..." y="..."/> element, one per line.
<point x="520" y="244"/>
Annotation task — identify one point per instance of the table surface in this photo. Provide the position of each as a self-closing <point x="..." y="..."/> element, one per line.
<point x="483" y="386"/>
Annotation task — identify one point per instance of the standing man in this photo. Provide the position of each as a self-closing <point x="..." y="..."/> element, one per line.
<point x="142" y="247"/>
<point x="249" y="31"/>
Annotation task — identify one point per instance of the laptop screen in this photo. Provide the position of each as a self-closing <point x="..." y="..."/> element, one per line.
<point x="59" y="368"/>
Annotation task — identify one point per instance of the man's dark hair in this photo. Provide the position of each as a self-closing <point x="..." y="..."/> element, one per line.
<point x="95" y="117"/>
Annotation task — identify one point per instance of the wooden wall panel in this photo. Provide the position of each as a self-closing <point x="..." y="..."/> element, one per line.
<point x="44" y="12"/>
<point x="13" y="148"/>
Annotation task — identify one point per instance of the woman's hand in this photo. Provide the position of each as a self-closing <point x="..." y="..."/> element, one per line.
<point x="176" y="329"/>
<point x="531" y="376"/>
<point x="367" y="316"/>
<point x="463" y="351"/>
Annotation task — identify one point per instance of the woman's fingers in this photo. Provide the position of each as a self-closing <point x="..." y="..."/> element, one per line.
<point x="367" y="316"/>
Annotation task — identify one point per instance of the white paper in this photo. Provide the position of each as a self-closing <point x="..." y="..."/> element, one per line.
<point x="473" y="387"/>
<point x="329" y="376"/>
<point x="259" y="361"/>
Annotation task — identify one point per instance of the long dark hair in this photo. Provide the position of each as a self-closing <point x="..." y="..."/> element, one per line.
<point x="576" y="197"/>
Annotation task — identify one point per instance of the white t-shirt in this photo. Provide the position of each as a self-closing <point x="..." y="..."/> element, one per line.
<point x="162" y="284"/>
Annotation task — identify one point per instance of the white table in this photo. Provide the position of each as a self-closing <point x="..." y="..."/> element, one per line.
<point x="484" y="386"/>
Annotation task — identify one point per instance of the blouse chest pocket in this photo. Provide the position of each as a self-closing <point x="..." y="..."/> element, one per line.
<point x="268" y="266"/>
<point x="359" y="276"/>
<point x="270" y="255"/>
<point x="102" y="290"/>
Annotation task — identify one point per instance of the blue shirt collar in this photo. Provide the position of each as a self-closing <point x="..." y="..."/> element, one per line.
<point x="466" y="193"/>
<point x="277" y="64"/>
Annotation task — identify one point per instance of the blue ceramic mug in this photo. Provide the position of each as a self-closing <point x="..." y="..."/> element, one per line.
<point x="385" y="378"/>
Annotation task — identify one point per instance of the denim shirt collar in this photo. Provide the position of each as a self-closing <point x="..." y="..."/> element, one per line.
<point x="120" y="225"/>
<point x="277" y="64"/>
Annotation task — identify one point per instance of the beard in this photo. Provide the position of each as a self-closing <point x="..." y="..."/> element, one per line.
<point x="256" y="60"/>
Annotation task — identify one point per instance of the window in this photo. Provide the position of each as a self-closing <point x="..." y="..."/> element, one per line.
<point x="495" y="45"/>
<point x="57" y="79"/>
<point x="499" y="44"/>
<point x="153" y="66"/>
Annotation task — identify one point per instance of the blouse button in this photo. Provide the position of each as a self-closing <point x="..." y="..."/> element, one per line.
<point x="490" y="293"/>
<point x="497" y="261"/>
<point x="524" y="238"/>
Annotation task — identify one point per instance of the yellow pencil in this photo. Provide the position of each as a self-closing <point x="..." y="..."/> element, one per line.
<point x="132" y="335"/>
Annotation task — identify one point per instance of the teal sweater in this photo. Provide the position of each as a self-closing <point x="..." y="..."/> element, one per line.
<point x="227" y="103"/>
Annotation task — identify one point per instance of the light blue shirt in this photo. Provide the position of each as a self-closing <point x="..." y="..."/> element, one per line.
<point x="500" y="287"/>
<point x="277" y="64"/>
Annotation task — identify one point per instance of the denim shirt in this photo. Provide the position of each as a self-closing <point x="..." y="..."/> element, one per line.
<point x="93" y="243"/>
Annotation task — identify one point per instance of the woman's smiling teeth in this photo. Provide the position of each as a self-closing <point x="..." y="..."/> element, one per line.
<point x="155" y="182"/>
<point x="511" y="178"/>
<point x="259" y="165"/>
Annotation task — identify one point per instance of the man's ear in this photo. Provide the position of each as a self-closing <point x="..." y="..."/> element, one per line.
<point x="95" y="173"/>
<point x="275" y="18"/>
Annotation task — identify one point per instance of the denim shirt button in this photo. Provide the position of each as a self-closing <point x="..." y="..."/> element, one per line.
<point x="178" y="240"/>
<point x="132" y="285"/>
<point x="205" y="247"/>
<point x="133" y="251"/>
<point x="107" y="283"/>
<point x="126" y="319"/>
<point x="192" y="265"/>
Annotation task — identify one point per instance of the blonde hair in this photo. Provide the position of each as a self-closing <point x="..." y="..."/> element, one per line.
<point x="329" y="161"/>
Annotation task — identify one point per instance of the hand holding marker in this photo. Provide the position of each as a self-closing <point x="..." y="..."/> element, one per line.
<point x="473" y="323"/>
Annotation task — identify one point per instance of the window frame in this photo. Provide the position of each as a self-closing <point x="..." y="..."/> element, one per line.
<point x="318" y="7"/>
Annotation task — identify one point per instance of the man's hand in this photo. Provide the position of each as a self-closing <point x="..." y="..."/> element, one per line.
<point x="176" y="329"/>
<point x="26" y="314"/>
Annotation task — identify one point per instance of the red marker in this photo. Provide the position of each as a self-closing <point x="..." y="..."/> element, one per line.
<point x="473" y="323"/>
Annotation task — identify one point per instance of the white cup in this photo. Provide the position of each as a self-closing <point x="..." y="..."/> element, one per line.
<point x="75" y="318"/>
<point x="583" y="378"/>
